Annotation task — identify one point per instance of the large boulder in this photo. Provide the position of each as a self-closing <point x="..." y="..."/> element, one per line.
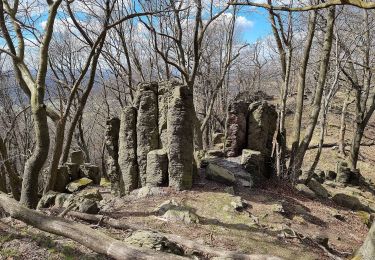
<point x="128" y="149"/>
<point x="79" y="184"/>
<point x="349" y="201"/>
<point x="220" y="174"/>
<point x="253" y="162"/>
<point x="174" y="212"/>
<point x="47" y="200"/>
<point x="153" y="240"/>
<point x="62" y="178"/>
<point x="180" y="138"/>
<point x="112" y="146"/>
<point x="236" y="128"/>
<point x="157" y="168"/>
<point x="91" y="171"/>
<point x="262" y="122"/>
<point x="318" y="188"/>
<point x="77" y="157"/>
<point x="147" y="128"/>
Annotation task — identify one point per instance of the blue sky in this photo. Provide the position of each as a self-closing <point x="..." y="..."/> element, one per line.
<point x="259" y="26"/>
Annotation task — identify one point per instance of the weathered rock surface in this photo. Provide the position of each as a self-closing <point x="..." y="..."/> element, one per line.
<point x="47" y="200"/>
<point x="180" y="138"/>
<point x="348" y="201"/>
<point x="62" y="178"/>
<point x="77" y="157"/>
<point x="153" y="240"/>
<point x="262" y="120"/>
<point x="318" y="188"/>
<point x="220" y="174"/>
<point x="343" y="172"/>
<point x="157" y="168"/>
<point x="253" y="162"/>
<point x="73" y="170"/>
<point x="79" y="184"/>
<point x="128" y="149"/>
<point x="218" y="138"/>
<point x="174" y="212"/>
<point x="92" y="194"/>
<point x="236" y="128"/>
<point x="302" y="188"/>
<point x="112" y="146"/>
<point x="88" y="206"/>
<point x="164" y="92"/>
<point x="90" y="171"/>
<point x="147" y="129"/>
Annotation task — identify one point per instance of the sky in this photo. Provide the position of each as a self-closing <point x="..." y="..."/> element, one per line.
<point x="254" y="24"/>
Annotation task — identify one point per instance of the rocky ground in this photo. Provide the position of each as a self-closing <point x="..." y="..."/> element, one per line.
<point x="274" y="219"/>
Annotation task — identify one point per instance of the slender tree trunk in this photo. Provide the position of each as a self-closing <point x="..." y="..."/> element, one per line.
<point x="297" y="121"/>
<point x="343" y="125"/>
<point x="29" y="192"/>
<point x="14" y="180"/>
<point x="59" y="143"/>
<point x="323" y="122"/>
<point x="326" y="51"/>
<point x="356" y="144"/>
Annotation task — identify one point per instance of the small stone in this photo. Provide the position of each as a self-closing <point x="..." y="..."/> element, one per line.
<point x="317" y="188"/>
<point x="238" y="204"/>
<point x="92" y="194"/>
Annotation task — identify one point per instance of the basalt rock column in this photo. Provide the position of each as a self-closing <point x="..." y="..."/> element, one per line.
<point x="262" y="123"/>
<point x="180" y="138"/>
<point x="164" y="93"/>
<point x="236" y="128"/>
<point x="157" y="168"/>
<point x="147" y="128"/>
<point x="112" y="146"/>
<point x="128" y="149"/>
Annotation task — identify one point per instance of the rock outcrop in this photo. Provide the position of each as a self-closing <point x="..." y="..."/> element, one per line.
<point x="112" y="146"/>
<point x="128" y="149"/>
<point x="180" y="138"/>
<point x="157" y="168"/>
<point x="236" y="128"/>
<point x="147" y="129"/>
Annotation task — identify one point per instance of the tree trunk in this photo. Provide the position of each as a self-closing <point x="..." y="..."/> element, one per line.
<point x="343" y="125"/>
<point x="59" y="143"/>
<point x="326" y="51"/>
<point x="14" y="179"/>
<point x="93" y="239"/>
<point x="297" y="121"/>
<point x="356" y="144"/>
<point x="29" y="192"/>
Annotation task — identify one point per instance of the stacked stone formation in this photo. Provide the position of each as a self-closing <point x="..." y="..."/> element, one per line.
<point x="147" y="128"/>
<point x="250" y="131"/>
<point x="236" y="128"/>
<point x="180" y="138"/>
<point x="128" y="149"/>
<point x="156" y="137"/>
<point x="112" y="146"/>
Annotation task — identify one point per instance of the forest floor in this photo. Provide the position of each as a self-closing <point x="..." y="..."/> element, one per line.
<point x="277" y="221"/>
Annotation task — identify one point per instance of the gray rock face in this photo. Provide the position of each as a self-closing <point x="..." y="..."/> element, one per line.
<point x="343" y="172"/>
<point x="147" y="130"/>
<point x="157" y="168"/>
<point x="91" y="171"/>
<point x="88" y="206"/>
<point x="128" y="149"/>
<point x="236" y="128"/>
<point x="220" y="174"/>
<point x="79" y="184"/>
<point x="180" y="138"/>
<point x="164" y="93"/>
<point x="77" y="157"/>
<point x="73" y="170"/>
<point x="253" y="162"/>
<point x="262" y="120"/>
<point x="349" y="201"/>
<point x="112" y="146"/>
<point x="62" y="178"/>
<point x="318" y="189"/>
<point x="47" y="200"/>
<point x="153" y="240"/>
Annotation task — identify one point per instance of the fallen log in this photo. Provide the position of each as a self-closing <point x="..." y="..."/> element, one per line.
<point x="93" y="239"/>
<point x="187" y="244"/>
